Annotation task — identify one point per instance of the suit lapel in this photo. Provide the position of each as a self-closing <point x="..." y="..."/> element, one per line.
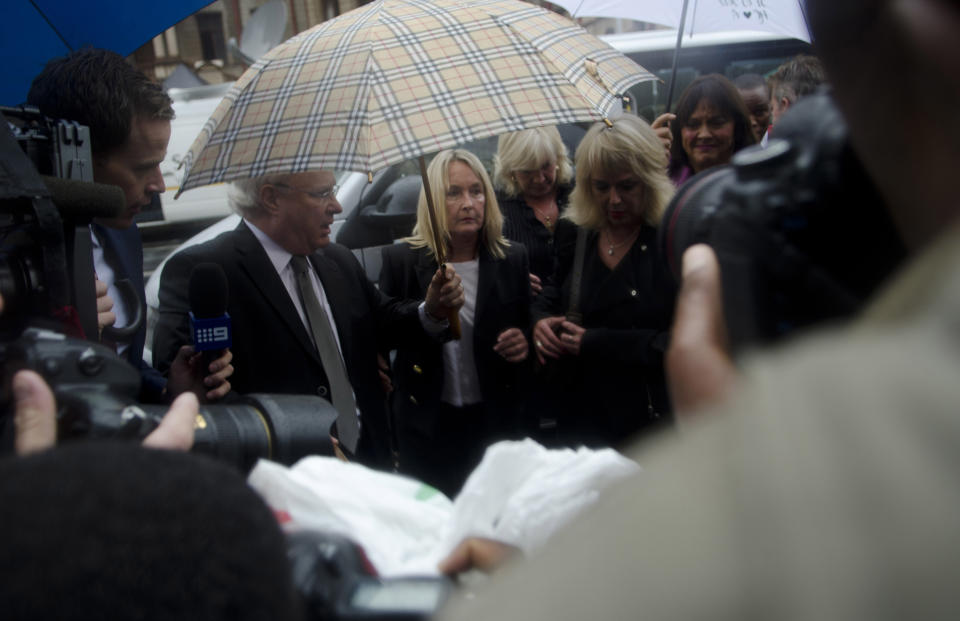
<point x="256" y="264"/>
<point x="425" y="267"/>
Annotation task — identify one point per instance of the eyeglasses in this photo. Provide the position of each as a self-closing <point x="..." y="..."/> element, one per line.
<point x="544" y="170"/>
<point x="320" y="195"/>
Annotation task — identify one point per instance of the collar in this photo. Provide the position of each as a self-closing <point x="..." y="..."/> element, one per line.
<point x="278" y="255"/>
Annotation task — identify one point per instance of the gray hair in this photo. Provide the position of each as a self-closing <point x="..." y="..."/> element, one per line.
<point x="244" y="194"/>
<point x="529" y="149"/>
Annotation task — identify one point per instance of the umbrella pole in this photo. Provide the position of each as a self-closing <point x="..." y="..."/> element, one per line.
<point x="454" y="316"/>
<point x="676" y="54"/>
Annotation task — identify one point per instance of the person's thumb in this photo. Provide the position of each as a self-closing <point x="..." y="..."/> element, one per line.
<point x="35" y="413"/>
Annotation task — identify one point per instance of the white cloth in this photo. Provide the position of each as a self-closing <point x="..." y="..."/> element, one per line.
<point x="461" y="385"/>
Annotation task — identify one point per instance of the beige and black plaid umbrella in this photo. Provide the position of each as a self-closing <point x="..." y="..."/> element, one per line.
<point x="397" y="79"/>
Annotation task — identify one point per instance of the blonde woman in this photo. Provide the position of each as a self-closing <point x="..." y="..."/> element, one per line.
<point x="611" y="384"/>
<point x="533" y="176"/>
<point x="453" y="398"/>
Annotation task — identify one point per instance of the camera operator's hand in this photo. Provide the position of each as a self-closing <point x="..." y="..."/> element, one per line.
<point x="188" y="375"/>
<point x="545" y="339"/>
<point x="700" y="371"/>
<point x="477" y="553"/>
<point x="35" y="418"/>
<point x="105" y="316"/>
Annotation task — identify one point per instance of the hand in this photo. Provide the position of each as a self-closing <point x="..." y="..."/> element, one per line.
<point x="661" y="126"/>
<point x="35" y="418"/>
<point x="535" y="285"/>
<point x="545" y="339"/>
<point x="105" y="315"/>
<point x="187" y="374"/>
<point x="571" y="335"/>
<point x="445" y="293"/>
<point x="700" y="371"/>
<point x="383" y="370"/>
<point x="512" y="345"/>
<point x="476" y="553"/>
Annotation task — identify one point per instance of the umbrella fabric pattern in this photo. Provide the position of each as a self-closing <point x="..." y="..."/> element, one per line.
<point x="396" y="79"/>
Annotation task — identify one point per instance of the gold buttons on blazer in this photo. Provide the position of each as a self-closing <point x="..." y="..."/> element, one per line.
<point x="417" y="369"/>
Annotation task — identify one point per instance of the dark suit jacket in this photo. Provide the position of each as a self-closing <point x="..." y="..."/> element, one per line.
<point x="616" y="386"/>
<point x="503" y="301"/>
<point x="123" y="251"/>
<point x="272" y="351"/>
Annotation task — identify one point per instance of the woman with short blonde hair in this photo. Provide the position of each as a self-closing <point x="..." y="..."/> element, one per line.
<point x="609" y="383"/>
<point x="532" y="173"/>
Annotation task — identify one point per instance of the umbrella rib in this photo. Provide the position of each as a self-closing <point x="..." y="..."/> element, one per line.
<point x="52" y="27"/>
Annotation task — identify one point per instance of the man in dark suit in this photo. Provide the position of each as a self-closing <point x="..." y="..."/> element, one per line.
<point x="129" y="119"/>
<point x="275" y="338"/>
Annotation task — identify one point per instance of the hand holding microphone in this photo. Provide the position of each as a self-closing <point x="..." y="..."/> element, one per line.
<point x="204" y="367"/>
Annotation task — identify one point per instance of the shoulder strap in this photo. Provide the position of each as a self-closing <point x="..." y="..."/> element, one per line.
<point x="573" y="314"/>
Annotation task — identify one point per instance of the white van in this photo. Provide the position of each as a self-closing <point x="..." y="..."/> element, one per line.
<point x="731" y="53"/>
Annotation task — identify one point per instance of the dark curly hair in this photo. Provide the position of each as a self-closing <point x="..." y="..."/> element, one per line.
<point x="100" y="89"/>
<point x="722" y="95"/>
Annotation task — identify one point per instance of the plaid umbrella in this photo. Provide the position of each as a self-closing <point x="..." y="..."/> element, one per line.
<point x="396" y="79"/>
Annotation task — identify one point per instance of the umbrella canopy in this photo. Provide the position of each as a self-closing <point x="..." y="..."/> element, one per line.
<point x="35" y="31"/>
<point x="785" y="17"/>
<point x="396" y="79"/>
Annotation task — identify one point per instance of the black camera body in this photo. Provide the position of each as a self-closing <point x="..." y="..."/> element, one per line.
<point x="800" y="232"/>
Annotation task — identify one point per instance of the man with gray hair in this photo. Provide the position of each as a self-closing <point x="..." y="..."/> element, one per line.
<point x="306" y="320"/>
<point x="800" y="76"/>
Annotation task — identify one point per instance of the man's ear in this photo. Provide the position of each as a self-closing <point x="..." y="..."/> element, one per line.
<point x="784" y="104"/>
<point x="268" y="198"/>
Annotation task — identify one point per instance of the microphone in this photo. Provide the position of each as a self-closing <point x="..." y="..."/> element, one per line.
<point x="209" y="321"/>
<point x="81" y="201"/>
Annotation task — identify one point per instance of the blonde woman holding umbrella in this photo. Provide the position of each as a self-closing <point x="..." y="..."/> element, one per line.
<point x="454" y="397"/>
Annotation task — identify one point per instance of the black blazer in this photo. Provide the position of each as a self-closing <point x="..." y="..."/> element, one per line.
<point x="272" y="351"/>
<point x="503" y="301"/>
<point x="616" y="386"/>
<point x="123" y="251"/>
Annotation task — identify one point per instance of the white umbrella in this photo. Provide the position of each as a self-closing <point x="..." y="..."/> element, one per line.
<point x="784" y="17"/>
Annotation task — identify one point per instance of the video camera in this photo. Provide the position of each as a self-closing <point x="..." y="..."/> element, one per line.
<point x="800" y="232"/>
<point x="47" y="284"/>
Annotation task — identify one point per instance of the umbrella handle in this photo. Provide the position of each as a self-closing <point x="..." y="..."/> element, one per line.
<point x="453" y="315"/>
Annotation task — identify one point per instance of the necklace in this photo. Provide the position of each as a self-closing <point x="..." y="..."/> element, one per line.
<point x="612" y="246"/>
<point x="547" y="219"/>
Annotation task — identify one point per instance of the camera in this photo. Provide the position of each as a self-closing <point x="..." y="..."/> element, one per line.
<point x="800" y="232"/>
<point x="336" y="581"/>
<point x="47" y="283"/>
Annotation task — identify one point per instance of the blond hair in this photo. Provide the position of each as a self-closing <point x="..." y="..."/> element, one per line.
<point x="529" y="149"/>
<point x="630" y="145"/>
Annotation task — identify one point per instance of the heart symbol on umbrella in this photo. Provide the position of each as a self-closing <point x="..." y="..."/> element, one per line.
<point x="747" y="14"/>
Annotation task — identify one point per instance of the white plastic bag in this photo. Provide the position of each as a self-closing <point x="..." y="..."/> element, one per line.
<point x="521" y="493"/>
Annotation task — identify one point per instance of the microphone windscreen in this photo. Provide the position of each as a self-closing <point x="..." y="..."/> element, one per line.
<point x="84" y="200"/>
<point x="208" y="292"/>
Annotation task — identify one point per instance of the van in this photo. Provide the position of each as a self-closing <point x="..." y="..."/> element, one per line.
<point x="731" y="54"/>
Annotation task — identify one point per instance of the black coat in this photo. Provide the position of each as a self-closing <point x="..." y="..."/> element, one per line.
<point x="616" y="387"/>
<point x="272" y="351"/>
<point x="123" y="251"/>
<point x="503" y="301"/>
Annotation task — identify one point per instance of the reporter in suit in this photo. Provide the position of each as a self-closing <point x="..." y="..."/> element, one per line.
<point x="286" y="217"/>
<point x="452" y="399"/>
<point x="611" y="381"/>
